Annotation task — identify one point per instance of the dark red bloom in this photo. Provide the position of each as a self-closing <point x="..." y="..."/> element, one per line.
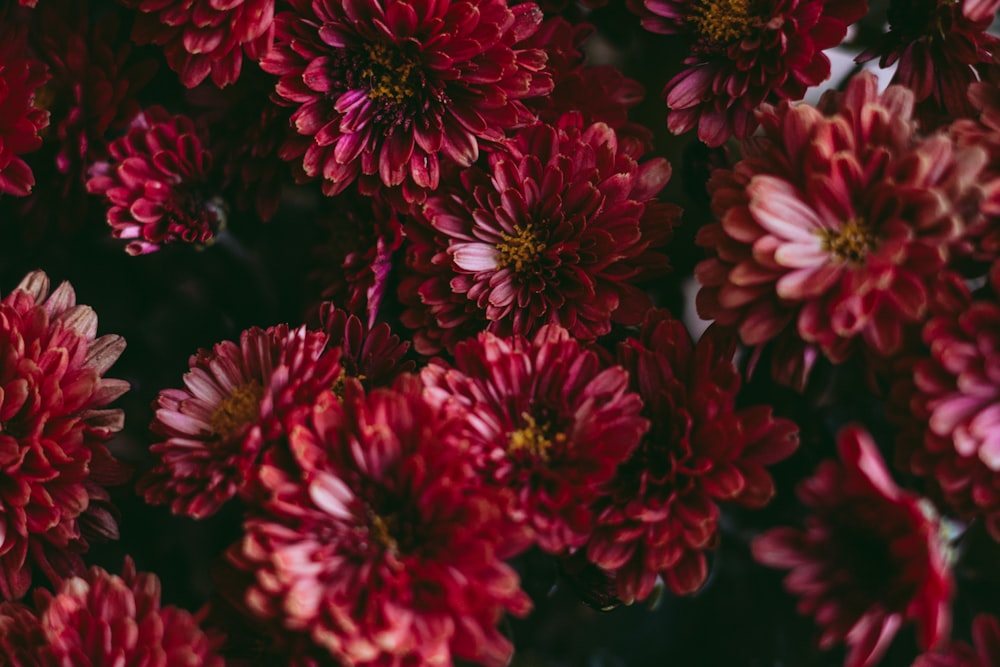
<point x="938" y="46"/>
<point x="55" y="424"/>
<point x="376" y="539"/>
<point x="984" y="653"/>
<point x="835" y="221"/>
<point x="230" y="410"/>
<point x="559" y="230"/>
<point x="385" y="91"/>
<point x="662" y="512"/>
<point x="371" y="354"/>
<point x="157" y="183"/>
<point x="744" y="53"/>
<point x="20" y="121"/>
<point x="102" y="619"/>
<point x="546" y="420"/>
<point x="870" y="558"/>
<point x="202" y="37"/>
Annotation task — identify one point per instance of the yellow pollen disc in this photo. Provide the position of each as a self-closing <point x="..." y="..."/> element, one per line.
<point x="240" y="408"/>
<point x="533" y="438"/>
<point x="380" y="531"/>
<point x="722" y="21"/>
<point x="338" y="384"/>
<point x="390" y="75"/>
<point x="519" y="249"/>
<point x="851" y="243"/>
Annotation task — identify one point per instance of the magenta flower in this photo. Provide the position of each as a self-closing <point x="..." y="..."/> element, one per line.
<point x="20" y="120"/>
<point x="869" y="559"/>
<point x="384" y="92"/>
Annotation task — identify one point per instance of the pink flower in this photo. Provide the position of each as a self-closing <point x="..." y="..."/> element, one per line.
<point x="834" y="222"/>
<point x="385" y="91"/>
<point x="559" y="230"/>
<point x="546" y="420"/>
<point x="372" y="355"/>
<point x="869" y="559"/>
<point x="55" y="422"/>
<point x="743" y="54"/>
<point x="20" y="120"/>
<point x="662" y="512"/>
<point x="376" y="540"/>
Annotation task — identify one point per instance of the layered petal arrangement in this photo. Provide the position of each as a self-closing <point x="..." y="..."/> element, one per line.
<point x="744" y="53"/>
<point x="870" y="558"/>
<point x="559" y="230"/>
<point x="205" y="37"/>
<point x="386" y="92"/>
<point x="545" y="419"/>
<point x="55" y="422"/>
<point x="372" y="355"/>
<point x="835" y="221"/>
<point x="99" y="619"/>
<point x="156" y="182"/>
<point x="20" y="121"/>
<point x="662" y="512"/>
<point x="376" y="540"/>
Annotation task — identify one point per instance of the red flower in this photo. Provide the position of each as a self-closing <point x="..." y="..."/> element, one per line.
<point x="370" y="354"/>
<point x="155" y="182"/>
<point x="384" y="91"/>
<point x="545" y="420"/>
<point x="202" y="37"/>
<point x="743" y="54"/>
<point x="52" y="453"/>
<point x="558" y="230"/>
<point x="229" y="411"/>
<point x="937" y="47"/>
<point x="20" y="121"/>
<point x="984" y="653"/>
<point x="103" y="619"/>
<point x="662" y="512"/>
<point x="376" y="539"/>
<point x="869" y="558"/>
<point x="834" y="222"/>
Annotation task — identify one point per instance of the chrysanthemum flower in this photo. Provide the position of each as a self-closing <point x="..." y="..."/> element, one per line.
<point x="546" y="419"/>
<point x="371" y="354"/>
<point x="834" y="222"/>
<point x="985" y="651"/>
<point x="230" y="409"/>
<point x="662" y="512"/>
<point x="559" y="230"/>
<point x="202" y="37"/>
<point x="386" y="91"/>
<point x="52" y="453"/>
<point x="937" y="47"/>
<point x="870" y="557"/>
<point x="377" y="539"/>
<point x="100" y="619"/>
<point x="156" y="183"/>
<point x="20" y="120"/>
<point x="744" y="53"/>
<point x="356" y="258"/>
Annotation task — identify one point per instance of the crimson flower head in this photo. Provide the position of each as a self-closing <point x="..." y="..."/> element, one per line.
<point x="835" y="221"/>
<point x="376" y="539"/>
<point x="99" y="618"/>
<point x="744" y="53"/>
<point x="546" y="420"/>
<point x="55" y="422"/>
<point x="156" y="182"/>
<point x="228" y="412"/>
<point x="985" y="651"/>
<point x="205" y="37"/>
<point x="870" y="557"/>
<point x="20" y="121"/>
<point x="372" y="355"/>
<point x="559" y="230"/>
<point x="661" y="513"/>
<point x="385" y="91"/>
<point x="938" y="47"/>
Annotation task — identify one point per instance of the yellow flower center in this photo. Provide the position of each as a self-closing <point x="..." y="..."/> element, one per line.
<point x="850" y="243"/>
<point x="338" y="384"/>
<point x="239" y="409"/>
<point x="391" y="77"/>
<point x="380" y="530"/>
<point x="519" y="249"/>
<point x="534" y="438"/>
<point x="722" y="21"/>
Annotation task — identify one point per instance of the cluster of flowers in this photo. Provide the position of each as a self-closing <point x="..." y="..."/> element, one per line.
<point x="495" y="200"/>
